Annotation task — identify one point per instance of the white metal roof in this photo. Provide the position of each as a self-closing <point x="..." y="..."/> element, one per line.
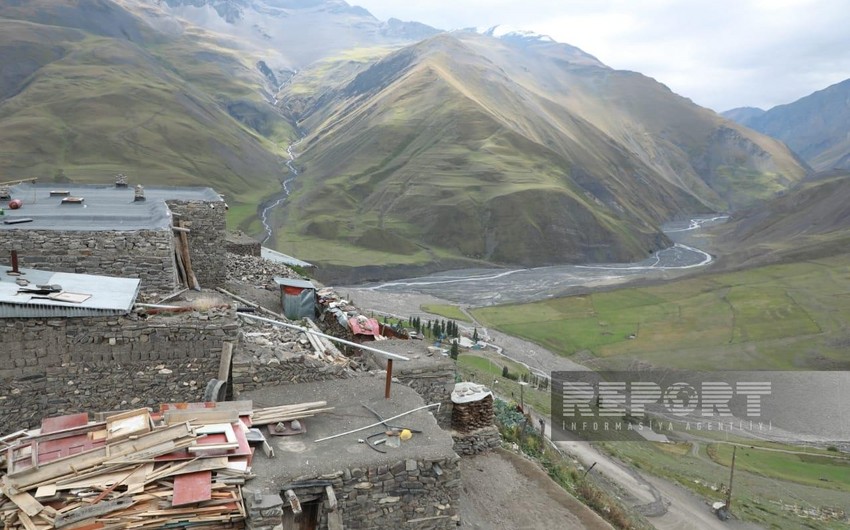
<point x="97" y="295"/>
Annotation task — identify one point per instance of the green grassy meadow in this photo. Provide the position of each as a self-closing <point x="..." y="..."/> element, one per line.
<point x="485" y="367"/>
<point x="780" y="317"/>
<point x="452" y="312"/>
<point x="771" y="488"/>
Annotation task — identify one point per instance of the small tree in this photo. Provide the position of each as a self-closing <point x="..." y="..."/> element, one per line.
<point x="475" y="335"/>
<point x="505" y="372"/>
<point x="455" y="351"/>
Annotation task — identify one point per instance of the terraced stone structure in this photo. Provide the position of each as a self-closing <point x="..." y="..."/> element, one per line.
<point x="343" y="483"/>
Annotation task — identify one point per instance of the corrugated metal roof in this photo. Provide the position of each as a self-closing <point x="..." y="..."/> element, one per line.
<point x="273" y="255"/>
<point x="107" y="295"/>
<point x="293" y="282"/>
<point x="103" y="208"/>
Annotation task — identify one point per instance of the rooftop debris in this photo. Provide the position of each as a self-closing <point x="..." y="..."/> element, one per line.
<point x="180" y="467"/>
<point x="257" y="271"/>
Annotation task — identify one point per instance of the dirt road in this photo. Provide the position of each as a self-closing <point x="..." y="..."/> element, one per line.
<point x="667" y="505"/>
<point x="504" y="491"/>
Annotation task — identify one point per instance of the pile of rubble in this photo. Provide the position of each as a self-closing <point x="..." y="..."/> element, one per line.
<point x="255" y="270"/>
<point x="181" y="467"/>
<point x="266" y="342"/>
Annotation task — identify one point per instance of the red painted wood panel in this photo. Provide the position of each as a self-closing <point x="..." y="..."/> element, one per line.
<point x="60" y="423"/>
<point x="192" y="487"/>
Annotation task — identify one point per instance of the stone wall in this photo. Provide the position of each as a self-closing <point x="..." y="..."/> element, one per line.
<point x="433" y="380"/>
<point x="478" y="441"/>
<point x="251" y="373"/>
<point x="242" y="244"/>
<point x="410" y="494"/>
<point x="60" y="366"/>
<point x="144" y="254"/>
<point x="207" y="223"/>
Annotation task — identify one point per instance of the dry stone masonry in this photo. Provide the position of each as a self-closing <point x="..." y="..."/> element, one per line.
<point x="144" y="254"/>
<point x="207" y="223"/>
<point x="416" y="494"/>
<point x="477" y="441"/>
<point x="58" y="366"/>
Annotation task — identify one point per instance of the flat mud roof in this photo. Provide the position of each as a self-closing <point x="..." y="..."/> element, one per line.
<point x="95" y="207"/>
<point x="301" y="455"/>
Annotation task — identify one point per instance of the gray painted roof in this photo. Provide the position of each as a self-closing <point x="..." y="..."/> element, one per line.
<point x="107" y="295"/>
<point x="274" y="255"/>
<point x="292" y="282"/>
<point x="104" y="208"/>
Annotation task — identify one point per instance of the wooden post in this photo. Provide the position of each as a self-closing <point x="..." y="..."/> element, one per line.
<point x="191" y="279"/>
<point x="389" y="378"/>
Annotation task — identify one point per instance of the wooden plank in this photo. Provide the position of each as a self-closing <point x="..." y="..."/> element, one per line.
<point x="192" y="282"/>
<point x="200" y="416"/>
<point x="128" y="423"/>
<point x="332" y="503"/>
<point x="73" y="464"/>
<point x="26" y="521"/>
<point x="202" y="464"/>
<point x="244" y="406"/>
<point x="192" y="487"/>
<point x="61" y="423"/>
<point x="91" y="511"/>
<point x="224" y="364"/>
<point x="48" y="490"/>
<point x="178" y="260"/>
<point x="219" y="428"/>
<point x="22" y="500"/>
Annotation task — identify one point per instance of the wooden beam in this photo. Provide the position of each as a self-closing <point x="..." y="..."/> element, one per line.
<point x="224" y="364"/>
<point x="187" y="260"/>
<point x="389" y="378"/>
<point x="332" y="503"/>
<point x="22" y="500"/>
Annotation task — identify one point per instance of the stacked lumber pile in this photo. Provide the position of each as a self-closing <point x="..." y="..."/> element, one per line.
<point x="467" y="417"/>
<point x="269" y="415"/>
<point x="182" y="467"/>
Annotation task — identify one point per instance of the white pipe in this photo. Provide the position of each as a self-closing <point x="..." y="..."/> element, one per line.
<point x="380" y="422"/>
<point x="386" y="354"/>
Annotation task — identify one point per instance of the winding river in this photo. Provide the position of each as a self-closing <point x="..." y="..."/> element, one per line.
<point x="481" y="287"/>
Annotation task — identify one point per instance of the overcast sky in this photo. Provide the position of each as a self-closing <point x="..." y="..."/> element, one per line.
<point x="720" y="53"/>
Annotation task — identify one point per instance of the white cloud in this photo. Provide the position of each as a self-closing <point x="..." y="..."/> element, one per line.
<point x="720" y="53"/>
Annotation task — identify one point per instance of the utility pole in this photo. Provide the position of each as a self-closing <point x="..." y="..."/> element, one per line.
<point x="731" y="476"/>
<point x="723" y="511"/>
<point x="522" y="395"/>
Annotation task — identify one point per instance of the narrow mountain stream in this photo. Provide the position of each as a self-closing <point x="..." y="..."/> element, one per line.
<point x="285" y="190"/>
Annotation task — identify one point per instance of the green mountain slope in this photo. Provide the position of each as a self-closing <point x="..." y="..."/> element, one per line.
<point x="817" y="127"/>
<point x="809" y="221"/>
<point x="96" y="90"/>
<point x="512" y="152"/>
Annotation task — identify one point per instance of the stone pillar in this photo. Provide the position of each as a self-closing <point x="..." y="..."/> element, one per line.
<point x="265" y="511"/>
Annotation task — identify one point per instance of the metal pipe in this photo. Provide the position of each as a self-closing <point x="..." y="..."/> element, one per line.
<point x="432" y="405"/>
<point x="386" y="354"/>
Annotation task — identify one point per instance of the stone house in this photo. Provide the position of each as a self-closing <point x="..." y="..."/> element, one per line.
<point x="116" y="231"/>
